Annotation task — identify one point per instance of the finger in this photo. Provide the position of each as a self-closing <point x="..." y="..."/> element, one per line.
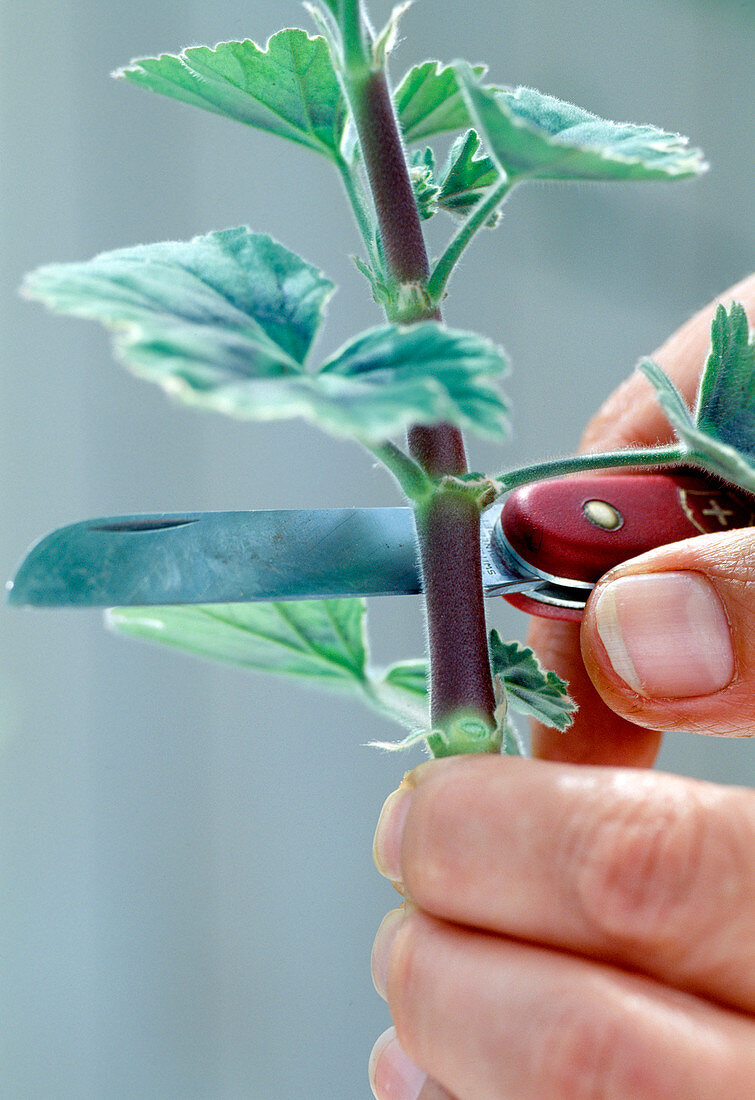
<point x="498" y="1019"/>
<point x="668" y="638"/>
<point x="632" y="415"/>
<point x="393" y="1075"/>
<point x="646" y="871"/>
<point x="597" y="735"/>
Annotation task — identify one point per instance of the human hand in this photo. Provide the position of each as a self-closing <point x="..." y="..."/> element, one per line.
<point x="614" y="723"/>
<point x="578" y="931"/>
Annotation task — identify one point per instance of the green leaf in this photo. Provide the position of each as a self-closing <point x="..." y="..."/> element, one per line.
<point x="721" y="435"/>
<point x="393" y="376"/>
<point x="225" y="322"/>
<point x="466" y="177"/>
<point x="378" y="384"/>
<point x="726" y="400"/>
<point x="288" y="88"/>
<point x="422" y="175"/>
<point x="669" y="398"/>
<point x="385" y="41"/>
<point x="199" y="315"/>
<point x="529" y="688"/>
<point x="533" y="135"/>
<point x="512" y="743"/>
<point x="409" y="677"/>
<point x="458" y="186"/>
<point x="428" y="101"/>
<point x="401" y="692"/>
<point x="320" y="640"/>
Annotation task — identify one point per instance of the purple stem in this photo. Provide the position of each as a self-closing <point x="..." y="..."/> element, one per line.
<point x="448" y="526"/>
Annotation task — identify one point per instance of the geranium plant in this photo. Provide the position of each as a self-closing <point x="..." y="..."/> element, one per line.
<point x="227" y="322"/>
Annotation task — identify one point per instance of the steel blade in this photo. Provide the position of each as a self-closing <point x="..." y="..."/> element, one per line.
<point x="233" y="557"/>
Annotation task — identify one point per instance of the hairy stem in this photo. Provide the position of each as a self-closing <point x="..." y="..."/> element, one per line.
<point x="355" y="194"/>
<point x="384" y="160"/>
<point x="447" y="525"/>
<point x="410" y="475"/>
<point x="559" y="467"/>
<point x="449" y="537"/>
<point x="466" y="231"/>
<point x="355" y="55"/>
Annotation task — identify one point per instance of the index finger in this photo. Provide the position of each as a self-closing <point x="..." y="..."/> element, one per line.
<point x="631" y="415"/>
<point x="625" y="867"/>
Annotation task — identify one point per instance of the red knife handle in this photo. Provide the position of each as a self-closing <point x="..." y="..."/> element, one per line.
<point x="579" y="527"/>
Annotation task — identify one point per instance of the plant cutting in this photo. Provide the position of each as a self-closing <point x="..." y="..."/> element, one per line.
<point x="227" y="322"/>
<point x="323" y="640"/>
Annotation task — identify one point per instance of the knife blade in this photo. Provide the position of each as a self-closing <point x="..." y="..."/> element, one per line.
<point x="543" y="551"/>
<point x="228" y="557"/>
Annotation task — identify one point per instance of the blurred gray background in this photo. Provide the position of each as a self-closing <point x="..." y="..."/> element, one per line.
<point x="188" y="900"/>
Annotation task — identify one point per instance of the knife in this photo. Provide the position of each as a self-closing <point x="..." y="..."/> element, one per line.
<point x="544" y="550"/>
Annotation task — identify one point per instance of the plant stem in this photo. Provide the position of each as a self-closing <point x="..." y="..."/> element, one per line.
<point x="358" y="203"/>
<point x="449" y="540"/>
<point x="354" y="54"/>
<point x="447" y="524"/>
<point x="670" y="455"/>
<point x="409" y="474"/>
<point x="383" y="156"/>
<point x="466" y="231"/>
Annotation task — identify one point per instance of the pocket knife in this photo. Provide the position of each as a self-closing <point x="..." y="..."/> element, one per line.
<point x="543" y="550"/>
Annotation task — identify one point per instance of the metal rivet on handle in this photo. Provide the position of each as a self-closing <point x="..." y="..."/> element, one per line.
<point x="602" y="514"/>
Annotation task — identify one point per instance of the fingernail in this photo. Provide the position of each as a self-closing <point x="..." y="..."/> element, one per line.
<point x="393" y="1076"/>
<point x="386" y="847"/>
<point x="381" y="950"/>
<point x="666" y="634"/>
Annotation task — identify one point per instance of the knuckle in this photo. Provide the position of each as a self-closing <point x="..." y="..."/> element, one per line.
<point x="594" y="1055"/>
<point x="639" y="863"/>
<point x="582" y="1058"/>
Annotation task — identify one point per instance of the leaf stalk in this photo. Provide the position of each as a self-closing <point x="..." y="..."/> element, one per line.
<point x="670" y="455"/>
<point x="444" y="267"/>
<point x="409" y="474"/>
<point x="362" y="214"/>
<point x="354" y="48"/>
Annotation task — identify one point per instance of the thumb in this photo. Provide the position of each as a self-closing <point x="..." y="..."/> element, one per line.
<point x="668" y="639"/>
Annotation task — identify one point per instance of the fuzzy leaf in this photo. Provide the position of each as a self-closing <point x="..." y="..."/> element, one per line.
<point x="378" y="384"/>
<point x="385" y="40"/>
<point x="409" y="677"/>
<point x="459" y="185"/>
<point x="721" y="435"/>
<point x="726" y="400"/>
<point x="540" y="137"/>
<point x="225" y="322"/>
<point x="321" y="640"/>
<point x="395" y="375"/>
<point x="668" y="396"/>
<point x="424" y="185"/>
<point x="197" y="315"/>
<point x="529" y="688"/>
<point x="512" y="743"/>
<point x="288" y="88"/>
<point x="428" y="101"/>
<point x="466" y="176"/>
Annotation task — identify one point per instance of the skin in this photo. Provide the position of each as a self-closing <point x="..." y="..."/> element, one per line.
<point x="580" y="931"/>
